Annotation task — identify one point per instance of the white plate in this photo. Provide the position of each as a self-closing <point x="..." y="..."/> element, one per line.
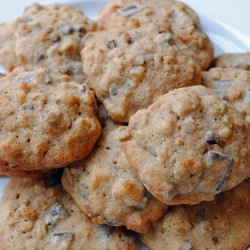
<point x="221" y="30"/>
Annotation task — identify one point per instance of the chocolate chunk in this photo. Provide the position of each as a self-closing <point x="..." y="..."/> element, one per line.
<point x="169" y="38"/>
<point x="80" y="28"/>
<point x="132" y="9"/>
<point x="67" y="30"/>
<point x="187" y="246"/>
<point x="57" y="210"/>
<point x="55" y="39"/>
<point x="47" y="79"/>
<point x="113" y="90"/>
<point x="28" y="107"/>
<point x="215" y="240"/>
<point x="211" y="139"/>
<point x="227" y="160"/>
<point x="153" y="153"/>
<point x="129" y="38"/>
<point x="63" y="236"/>
<point x="84" y="88"/>
<point x="112" y="44"/>
<point x="38" y="56"/>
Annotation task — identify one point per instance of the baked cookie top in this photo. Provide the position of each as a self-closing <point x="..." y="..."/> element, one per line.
<point x="130" y="69"/>
<point x="183" y="20"/>
<point x="233" y="60"/>
<point x="107" y="189"/>
<point x="54" y="34"/>
<point x="40" y="215"/>
<point x="220" y="224"/>
<point x="189" y="146"/>
<point x="233" y="85"/>
<point x="47" y="120"/>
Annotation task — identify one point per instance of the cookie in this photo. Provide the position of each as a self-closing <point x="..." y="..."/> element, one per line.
<point x="233" y="60"/>
<point x="220" y="224"/>
<point x="40" y="215"/>
<point x="189" y="146"/>
<point x="129" y="70"/>
<point x="47" y="121"/>
<point x="36" y="174"/>
<point x="7" y="44"/>
<point x="233" y="85"/>
<point x="107" y="189"/>
<point x="54" y="34"/>
<point x="183" y="20"/>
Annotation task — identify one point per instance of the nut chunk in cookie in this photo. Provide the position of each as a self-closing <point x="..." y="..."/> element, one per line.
<point x="233" y="85"/>
<point x="40" y="215"/>
<point x="189" y="146"/>
<point x="47" y="121"/>
<point x="107" y="189"/>
<point x="220" y="224"/>
<point x="54" y="37"/>
<point x="129" y="70"/>
<point x="183" y="20"/>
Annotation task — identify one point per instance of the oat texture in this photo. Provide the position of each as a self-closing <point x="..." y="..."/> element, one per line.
<point x="183" y="20"/>
<point x="107" y="189"/>
<point x="47" y="120"/>
<point x="40" y="215"/>
<point x="220" y="224"/>
<point x="54" y="37"/>
<point x="189" y="146"/>
<point x="129" y="70"/>
<point x="233" y="85"/>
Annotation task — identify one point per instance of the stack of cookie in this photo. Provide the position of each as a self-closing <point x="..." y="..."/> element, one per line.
<point x="117" y="125"/>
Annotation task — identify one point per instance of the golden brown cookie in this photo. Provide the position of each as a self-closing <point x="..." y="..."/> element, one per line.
<point x="47" y="121"/>
<point x="130" y="69"/>
<point x="40" y="215"/>
<point x="233" y="60"/>
<point x="233" y="85"/>
<point x="183" y="20"/>
<point x="54" y="36"/>
<point x="220" y="224"/>
<point x="107" y="189"/>
<point x="189" y="146"/>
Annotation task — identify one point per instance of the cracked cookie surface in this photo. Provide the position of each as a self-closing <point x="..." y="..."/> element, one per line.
<point x="40" y="215"/>
<point x="189" y="146"/>
<point x="107" y="189"/>
<point x="47" y="121"/>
